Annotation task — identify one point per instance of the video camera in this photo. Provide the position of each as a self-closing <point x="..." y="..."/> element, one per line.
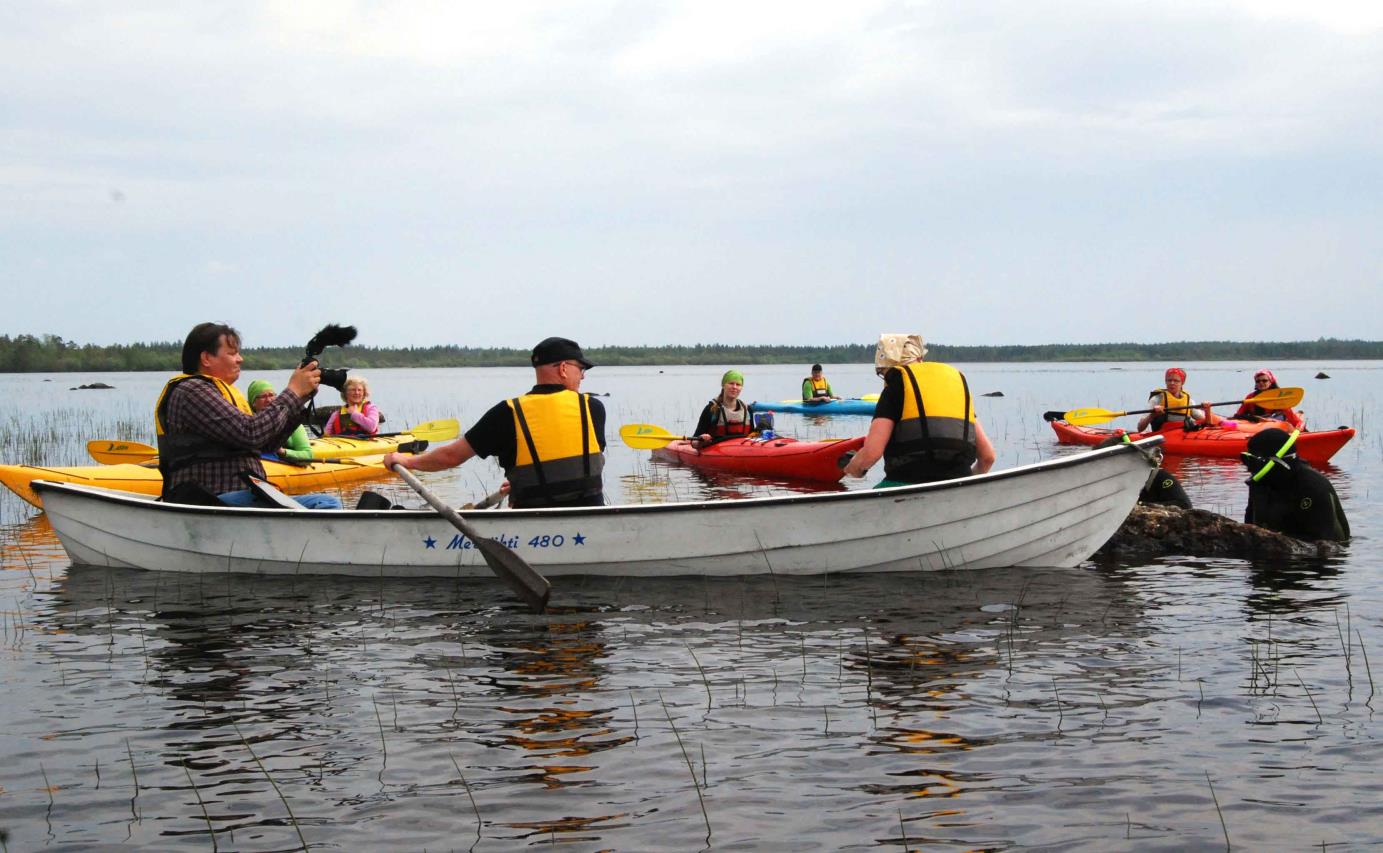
<point x="331" y="335"/>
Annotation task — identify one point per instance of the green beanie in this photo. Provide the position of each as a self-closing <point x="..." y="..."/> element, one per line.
<point x="257" y="387"/>
<point x="732" y="376"/>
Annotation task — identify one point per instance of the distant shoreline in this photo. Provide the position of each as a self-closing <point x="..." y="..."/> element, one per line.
<point x="51" y="354"/>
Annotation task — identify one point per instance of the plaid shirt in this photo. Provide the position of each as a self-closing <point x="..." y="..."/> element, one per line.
<point x="197" y="407"/>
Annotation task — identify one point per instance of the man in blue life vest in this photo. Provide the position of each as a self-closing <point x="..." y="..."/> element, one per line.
<point x="550" y="442"/>
<point x="209" y="437"/>
<point x="924" y="424"/>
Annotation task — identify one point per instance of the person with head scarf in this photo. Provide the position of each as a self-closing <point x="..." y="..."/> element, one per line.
<point x="1286" y="494"/>
<point x="726" y="415"/>
<point x="1172" y="404"/>
<point x="297" y="447"/>
<point x="924" y="426"/>
<point x="1264" y="380"/>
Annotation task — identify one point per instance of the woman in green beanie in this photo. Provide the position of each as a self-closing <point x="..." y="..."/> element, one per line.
<point x="727" y="416"/>
<point x="296" y="448"/>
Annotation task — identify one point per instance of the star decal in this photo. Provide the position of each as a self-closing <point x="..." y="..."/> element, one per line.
<point x="430" y="542"/>
<point x="578" y="539"/>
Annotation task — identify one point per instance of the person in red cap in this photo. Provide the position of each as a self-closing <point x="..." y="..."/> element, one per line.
<point x="1264" y="380"/>
<point x="550" y="442"/>
<point x="1172" y="404"/>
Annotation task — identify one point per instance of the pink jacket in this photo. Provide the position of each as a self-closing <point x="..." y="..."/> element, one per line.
<point x="361" y="423"/>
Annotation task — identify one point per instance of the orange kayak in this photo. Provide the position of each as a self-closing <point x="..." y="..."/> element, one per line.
<point x="1314" y="447"/>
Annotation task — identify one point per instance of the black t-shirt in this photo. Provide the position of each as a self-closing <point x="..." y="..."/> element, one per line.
<point x="890" y="403"/>
<point x="493" y="435"/>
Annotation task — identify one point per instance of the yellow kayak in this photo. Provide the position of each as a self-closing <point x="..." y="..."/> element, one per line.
<point x="145" y="478"/>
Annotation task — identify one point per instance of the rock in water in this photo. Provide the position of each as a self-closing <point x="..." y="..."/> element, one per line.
<point x="1164" y="531"/>
<point x="100" y="386"/>
<point x="1322" y="375"/>
<point x="993" y="394"/>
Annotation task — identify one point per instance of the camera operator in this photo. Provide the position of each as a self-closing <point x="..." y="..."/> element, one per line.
<point x="208" y="436"/>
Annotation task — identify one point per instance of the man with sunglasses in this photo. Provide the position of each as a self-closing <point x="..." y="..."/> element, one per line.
<point x="1288" y="495"/>
<point x="550" y="441"/>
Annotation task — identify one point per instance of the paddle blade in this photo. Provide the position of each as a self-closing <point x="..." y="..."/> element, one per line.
<point x="440" y="430"/>
<point x="870" y="398"/>
<point x="1084" y="417"/>
<point x="109" y="452"/>
<point x="1277" y="398"/>
<point x="532" y="587"/>
<point x="646" y="436"/>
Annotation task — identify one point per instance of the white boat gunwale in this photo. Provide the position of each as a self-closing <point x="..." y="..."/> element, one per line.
<point x="889" y="493"/>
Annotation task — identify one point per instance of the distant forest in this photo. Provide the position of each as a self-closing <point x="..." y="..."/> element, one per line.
<point x="51" y="354"/>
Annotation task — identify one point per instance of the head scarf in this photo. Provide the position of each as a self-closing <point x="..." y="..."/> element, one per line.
<point x="1261" y="372"/>
<point x="257" y="387"/>
<point x="895" y="350"/>
<point x="732" y="376"/>
<point x="1175" y="371"/>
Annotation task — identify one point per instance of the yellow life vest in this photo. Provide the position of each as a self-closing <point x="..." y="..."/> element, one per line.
<point x="558" y="460"/>
<point x="938" y="422"/>
<point x="178" y="450"/>
<point x="229" y="391"/>
<point x="1169" y="401"/>
<point x="819" y="387"/>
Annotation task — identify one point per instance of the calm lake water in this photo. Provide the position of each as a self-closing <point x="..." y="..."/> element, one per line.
<point x="1116" y="706"/>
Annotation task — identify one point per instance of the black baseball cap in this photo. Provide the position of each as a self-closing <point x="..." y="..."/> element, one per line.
<point x="553" y="350"/>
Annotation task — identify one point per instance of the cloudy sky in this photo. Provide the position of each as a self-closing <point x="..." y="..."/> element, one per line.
<point x="646" y="173"/>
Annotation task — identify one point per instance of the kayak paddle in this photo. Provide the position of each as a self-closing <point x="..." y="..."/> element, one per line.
<point x="648" y="436"/>
<point x="112" y="452"/>
<point x="532" y="587"/>
<point x="1273" y="398"/>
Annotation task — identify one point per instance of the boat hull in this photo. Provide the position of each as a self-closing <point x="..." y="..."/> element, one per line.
<point x="781" y="457"/>
<point x="1314" y="447"/>
<point x="831" y="407"/>
<point x="146" y="480"/>
<point x="1053" y="513"/>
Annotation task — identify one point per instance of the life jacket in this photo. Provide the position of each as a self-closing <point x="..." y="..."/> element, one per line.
<point x="820" y="388"/>
<point x="938" y="422"/>
<point x="178" y="450"/>
<point x="346" y="425"/>
<point x="723" y="424"/>
<point x="1170" y="401"/>
<point x="1262" y="413"/>
<point x="558" y="460"/>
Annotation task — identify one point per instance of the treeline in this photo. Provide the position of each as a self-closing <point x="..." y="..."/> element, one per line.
<point x="51" y="354"/>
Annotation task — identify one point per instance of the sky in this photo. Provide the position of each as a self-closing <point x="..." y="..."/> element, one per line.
<point x="647" y="173"/>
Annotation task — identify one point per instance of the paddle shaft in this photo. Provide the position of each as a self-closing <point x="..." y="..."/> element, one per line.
<point x="532" y="587"/>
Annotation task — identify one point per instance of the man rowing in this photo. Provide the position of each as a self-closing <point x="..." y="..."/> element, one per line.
<point x="550" y="441"/>
<point x="209" y="438"/>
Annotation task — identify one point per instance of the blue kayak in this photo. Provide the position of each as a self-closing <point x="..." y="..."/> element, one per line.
<point x="833" y="407"/>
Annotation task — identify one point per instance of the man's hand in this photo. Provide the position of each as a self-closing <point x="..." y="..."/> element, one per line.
<point x="393" y="458"/>
<point x="305" y="380"/>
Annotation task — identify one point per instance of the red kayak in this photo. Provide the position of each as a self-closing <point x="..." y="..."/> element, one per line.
<point x="774" y="457"/>
<point x="1314" y="447"/>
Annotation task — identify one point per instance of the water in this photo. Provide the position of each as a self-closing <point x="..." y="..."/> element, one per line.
<point x="1113" y="706"/>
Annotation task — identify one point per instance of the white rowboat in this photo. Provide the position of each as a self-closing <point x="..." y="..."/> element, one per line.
<point x="1054" y="513"/>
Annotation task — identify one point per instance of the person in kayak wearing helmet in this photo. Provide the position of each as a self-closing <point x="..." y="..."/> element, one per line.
<point x="726" y="415"/>
<point x="924" y="425"/>
<point x="1264" y="380"/>
<point x="1288" y="495"/>
<point x="815" y="388"/>
<point x="297" y="447"/>
<point x="1172" y="404"/>
<point x="209" y="437"/>
<point x="550" y="441"/>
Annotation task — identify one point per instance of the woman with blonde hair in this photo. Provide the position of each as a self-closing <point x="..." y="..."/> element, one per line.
<point x="357" y="415"/>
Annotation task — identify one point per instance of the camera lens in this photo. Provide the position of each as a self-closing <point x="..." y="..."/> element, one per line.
<point x="334" y="377"/>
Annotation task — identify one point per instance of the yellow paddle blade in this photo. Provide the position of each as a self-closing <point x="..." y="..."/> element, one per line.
<point x="1085" y="417"/>
<point x="108" y="452"/>
<point x="1277" y="398"/>
<point x="647" y="436"/>
<point x="870" y="398"/>
<point x="440" y="430"/>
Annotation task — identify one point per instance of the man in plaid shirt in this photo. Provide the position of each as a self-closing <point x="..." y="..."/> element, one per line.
<point x="209" y="436"/>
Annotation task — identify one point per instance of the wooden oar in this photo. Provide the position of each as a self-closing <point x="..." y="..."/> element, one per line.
<point x="648" y="436"/>
<point x="1273" y="398"/>
<point x="113" y="452"/>
<point x="532" y="587"/>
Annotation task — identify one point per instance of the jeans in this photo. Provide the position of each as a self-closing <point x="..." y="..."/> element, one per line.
<point x="316" y="500"/>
